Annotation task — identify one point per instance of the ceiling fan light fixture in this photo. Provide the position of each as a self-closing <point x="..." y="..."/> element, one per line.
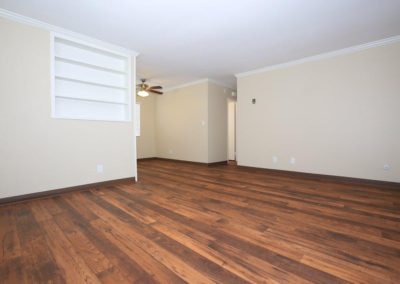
<point x="143" y="94"/>
<point x="144" y="90"/>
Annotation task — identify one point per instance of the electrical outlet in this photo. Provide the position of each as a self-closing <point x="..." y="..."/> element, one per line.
<point x="100" y="168"/>
<point x="274" y="159"/>
<point x="386" y="167"/>
<point x="292" y="160"/>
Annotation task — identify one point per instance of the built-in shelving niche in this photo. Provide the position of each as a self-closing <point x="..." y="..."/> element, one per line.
<point x="90" y="82"/>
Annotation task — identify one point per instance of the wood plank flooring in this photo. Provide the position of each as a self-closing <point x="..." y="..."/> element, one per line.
<point x="187" y="223"/>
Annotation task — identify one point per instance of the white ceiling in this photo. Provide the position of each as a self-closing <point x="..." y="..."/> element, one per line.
<point x="185" y="40"/>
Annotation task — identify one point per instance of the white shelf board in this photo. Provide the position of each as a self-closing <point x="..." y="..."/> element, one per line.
<point x="90" y="83"/>
<point x="90" y="119"/>
<point x="88" y="46"/>
<point x="68" y="60"/>
<point x="90" y="100"/>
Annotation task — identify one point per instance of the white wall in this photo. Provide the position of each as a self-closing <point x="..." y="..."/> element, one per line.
<point x="337" y="116"/>
<point x="39" y="153"/>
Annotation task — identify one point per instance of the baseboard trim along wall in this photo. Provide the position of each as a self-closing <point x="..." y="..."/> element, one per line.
<point x="293" y="174"/>
<point x="326" y="178"/>
<point x="188" y="162"/>
<point x="55" y="192"/>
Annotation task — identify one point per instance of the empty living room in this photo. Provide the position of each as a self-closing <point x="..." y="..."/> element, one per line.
<point x="170" y="141"/>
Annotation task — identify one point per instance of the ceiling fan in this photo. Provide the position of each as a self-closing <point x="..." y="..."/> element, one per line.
<point x="143" y="89"/>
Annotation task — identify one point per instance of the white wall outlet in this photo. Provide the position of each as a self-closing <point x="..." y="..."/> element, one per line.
<point x="203" y="123"/>
<point x="292" y="160"/>
<point x="274" y="159"/>
<point x="386" y="167"/>
<point x="100" y="168"/>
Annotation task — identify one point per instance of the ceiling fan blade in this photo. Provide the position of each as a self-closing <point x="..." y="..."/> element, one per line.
<point x="155" y="92"/>
<point x="155" y="87"/>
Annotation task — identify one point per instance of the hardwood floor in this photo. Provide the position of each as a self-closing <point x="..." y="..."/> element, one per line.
<point x="197" y="224"/>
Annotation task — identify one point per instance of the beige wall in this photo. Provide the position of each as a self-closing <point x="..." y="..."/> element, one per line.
<point x="182" y="124"/>
<point x="37" y="152"/>
<point x="191" y="123"/>
<point x="217" y="122"/>
<point x="146" y="142"/>
<point x="232" y="129"/>
<point x="337" y="116"/>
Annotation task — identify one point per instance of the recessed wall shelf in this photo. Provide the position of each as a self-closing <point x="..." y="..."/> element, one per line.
<point x="89" y="82"/>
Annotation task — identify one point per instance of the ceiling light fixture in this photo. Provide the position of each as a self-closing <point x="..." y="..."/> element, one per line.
<point x="144" y="89"/>
<point x="143" y="94"/>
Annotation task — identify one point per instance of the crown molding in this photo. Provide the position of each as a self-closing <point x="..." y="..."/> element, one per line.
<point x="218" y="83"/>
<point x="39" y="24"/>
<point x="348" y="50"/>
<point x="191" y="83"/>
